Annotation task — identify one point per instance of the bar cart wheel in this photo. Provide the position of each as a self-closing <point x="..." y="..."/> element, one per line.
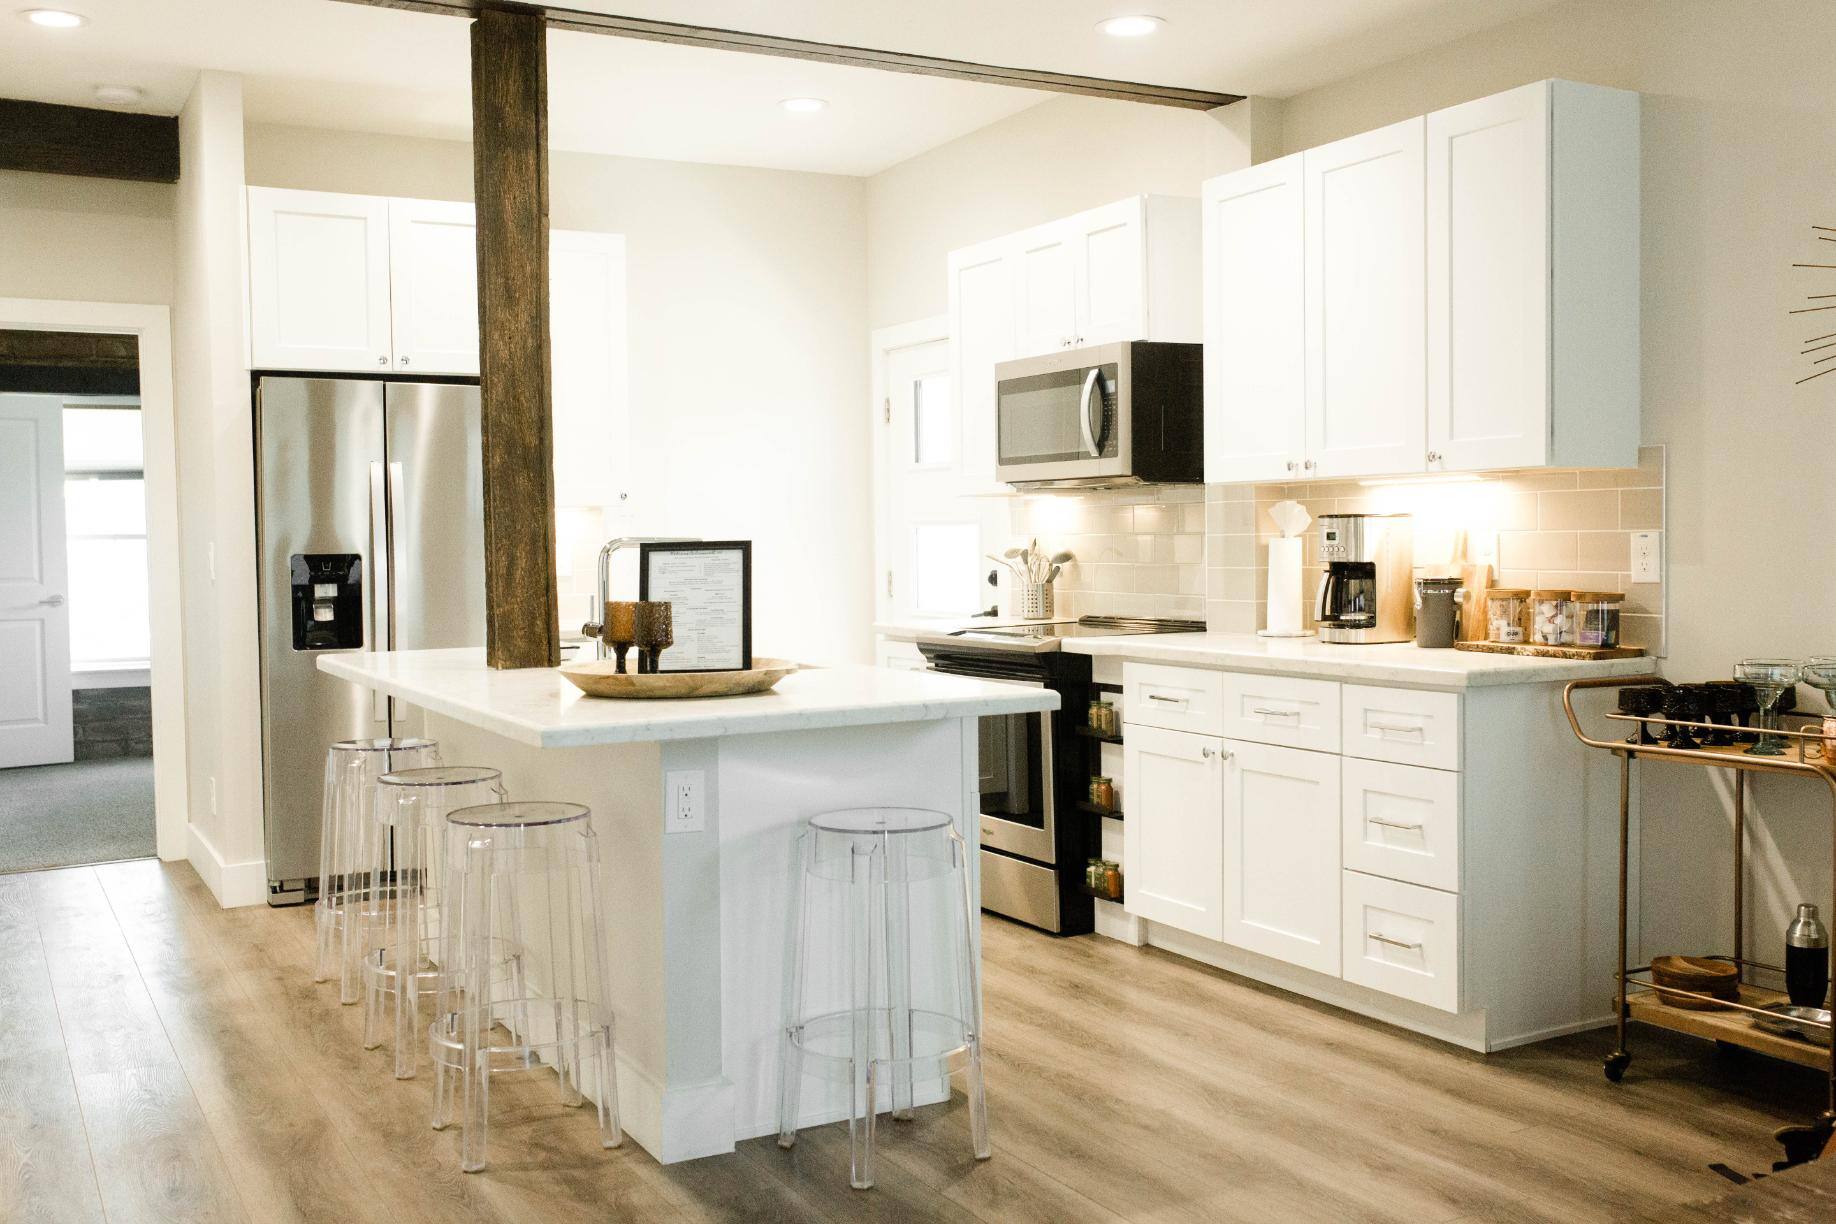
<point x="1802" y="1143"/>
<point x="1616" y="1064"/>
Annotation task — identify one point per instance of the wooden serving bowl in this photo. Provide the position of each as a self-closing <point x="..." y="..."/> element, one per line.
<point x="601" y="678"/>
<point x="1698" y="973"/>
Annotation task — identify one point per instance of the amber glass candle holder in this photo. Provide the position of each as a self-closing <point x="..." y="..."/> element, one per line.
<point x="654" y="632"/>
<point x="620" y="628"/>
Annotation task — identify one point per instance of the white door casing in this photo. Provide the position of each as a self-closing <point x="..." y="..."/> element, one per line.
<point x="35" y="703"/>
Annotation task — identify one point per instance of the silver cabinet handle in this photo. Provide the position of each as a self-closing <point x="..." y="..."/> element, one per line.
<point x="1293" y="466"/>
<point x="1308" y="464"/>
<point x="1266" y="712"/>
<point x="404" y="361"/>
<point x="1395" y="943"/>
<point x="1168" y="700"/>
<point x="1399" y="728"/>
<point x="383" y="360"/>
<point x="1209" y="753"/>
<point x="1391" y="824"/>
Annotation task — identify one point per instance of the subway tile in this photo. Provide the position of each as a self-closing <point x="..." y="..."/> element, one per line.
<point x="1603" y="550"/>
<point x="1230" y="616"/>
<point x="1641" y="509"/>
<point x="1191" y="579"/>
<point x="1516" y="511"/>
<point x="1643" y="598"/>
<point x="1537" y="550"/>
<point x="1112" y="578"/>
<point x="1152" y="518"/>
<point x="1645" y="631"/>
<point x="1192" y="517"/>
<point x="1189" y="549"/>
<point x="1186" y="607"/>
<point x="1156" y="579"/>
<point x="1579" y="510"/>
<point x="1240" y="583"/>
<point x="1214" y="517"/>
<point x="1537" y="482"/>
<point x="1239" y="517"/>
<point x="1232" y="550"/>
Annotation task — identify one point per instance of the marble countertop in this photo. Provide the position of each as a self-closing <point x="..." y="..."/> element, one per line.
<point x="1392" y="663"/>
<point x="537" y="706"/>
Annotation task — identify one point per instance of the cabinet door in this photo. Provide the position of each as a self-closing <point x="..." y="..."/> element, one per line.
<point x="318" y="281"/>
<point x="1281" y="853"/>
<point x="1366" y="320"/>
<point x="1488" y="282"/>
<point x="1173" y="836"/>
<point x="1046" y="294"/>
<point x="982" y="323"/>
<point x="1108" y="246"/>
<point x="1255" y="326"/>
<point x="586" y="309"/>
<point x="433" y="286"/>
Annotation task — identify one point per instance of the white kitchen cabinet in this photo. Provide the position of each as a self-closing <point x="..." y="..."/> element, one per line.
<point x="1173" y="837"/>
<point x="433" y="287"/>
<point x="319" y="281"/>
<point x="1364" y="201"/>
<point x="983" y="318"/>
<point x="586" y="307"/>
<point x="1255" y="324"/>
<point x="1107" y="248"/>
<point x="1403" y="939"/>
<point x="1046" y="301"/>
<point x="1532" y="289"/>
<point x="1281" y="853"/>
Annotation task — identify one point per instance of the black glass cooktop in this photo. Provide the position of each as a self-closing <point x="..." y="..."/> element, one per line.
<point x="1087" y="626"/>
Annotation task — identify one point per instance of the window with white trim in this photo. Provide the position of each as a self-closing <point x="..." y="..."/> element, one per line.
<point x="105" y="521"/>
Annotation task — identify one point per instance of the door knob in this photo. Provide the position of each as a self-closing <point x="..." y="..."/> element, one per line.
<point x="1293" y="466"/>
<point x="51" y="601"/>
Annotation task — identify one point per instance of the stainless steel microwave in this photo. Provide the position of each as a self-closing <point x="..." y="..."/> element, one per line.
<point x="1111" y="414"/>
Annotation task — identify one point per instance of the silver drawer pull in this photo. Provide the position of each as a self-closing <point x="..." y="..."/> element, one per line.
<point x="1168" y="700"/>
<point x="1399" y="728"/>
<point x="1266" y="712"/>
<point x="1395" y="943"/>
<point x="1391" y="824"/>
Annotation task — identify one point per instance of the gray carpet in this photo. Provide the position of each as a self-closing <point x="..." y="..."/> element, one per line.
<point x="85" y="812"/>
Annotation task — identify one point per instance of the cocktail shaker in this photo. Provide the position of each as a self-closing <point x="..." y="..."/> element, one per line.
<point x="1807" y="958"/>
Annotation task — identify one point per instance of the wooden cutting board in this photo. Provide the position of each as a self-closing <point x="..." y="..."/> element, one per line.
<point x="1553" y="652"/>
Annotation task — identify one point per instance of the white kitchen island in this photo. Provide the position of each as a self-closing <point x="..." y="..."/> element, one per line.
<point x="699" y="921"/>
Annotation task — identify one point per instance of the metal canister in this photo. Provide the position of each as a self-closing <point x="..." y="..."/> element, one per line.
<point x="1807" y="958"/>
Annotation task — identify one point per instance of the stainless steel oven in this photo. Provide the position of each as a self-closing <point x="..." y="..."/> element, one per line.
<point x="1112" y="414"/>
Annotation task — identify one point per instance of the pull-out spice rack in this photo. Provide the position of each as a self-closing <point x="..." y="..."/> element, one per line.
<point x="1642" y="999"/>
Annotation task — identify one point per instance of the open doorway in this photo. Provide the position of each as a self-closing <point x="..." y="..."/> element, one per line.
<point x="76" y="735"/>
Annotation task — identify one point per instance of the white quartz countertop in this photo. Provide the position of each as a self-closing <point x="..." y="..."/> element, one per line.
<point x="538" y="706"/>
<point x="1391" y="663"/>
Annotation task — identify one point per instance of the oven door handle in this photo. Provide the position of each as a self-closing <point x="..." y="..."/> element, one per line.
<point x="1093" y="390"/>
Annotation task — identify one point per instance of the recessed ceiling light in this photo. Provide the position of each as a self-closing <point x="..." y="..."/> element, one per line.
<point x="53" y="19"/>
<point x="119" y="95"/>
<point x="804" y="106"/>
<point x="1136" y="26"/>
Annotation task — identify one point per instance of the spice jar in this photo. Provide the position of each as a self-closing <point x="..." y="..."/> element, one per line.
<point x="1093" y="875"/>
<point x="1110" y="722"/>
<point x="1552" y="618"/>
<point x="1103" y="792"/>
<point x="1112" y="879"/>
<point x="1504" y="614"/>
<point x="1094" y="717"/>
<point x="1597" y="618"/>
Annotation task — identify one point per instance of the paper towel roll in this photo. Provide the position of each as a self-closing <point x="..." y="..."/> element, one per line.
<point x="1284" y="610"/>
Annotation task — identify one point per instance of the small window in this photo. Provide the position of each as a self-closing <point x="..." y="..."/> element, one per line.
<point x="932" y="437"/>
<point x="105" y="523"/>
<point x="946" y="568"/>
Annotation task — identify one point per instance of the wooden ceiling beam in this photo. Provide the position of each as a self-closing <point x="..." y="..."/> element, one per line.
<point x="49" y="139"/>
<point x="559" y="18"/>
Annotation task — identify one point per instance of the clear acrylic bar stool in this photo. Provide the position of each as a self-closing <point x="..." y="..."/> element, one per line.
<point x="407" y="851"/>
<point x="351" y="770"/>
<point x="529" y="874"/>
<point x="912" y="1012"/>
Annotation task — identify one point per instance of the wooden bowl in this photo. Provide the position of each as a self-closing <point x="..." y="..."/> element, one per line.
<point x="601" y="678"/>
<point x="1698" y="973"/>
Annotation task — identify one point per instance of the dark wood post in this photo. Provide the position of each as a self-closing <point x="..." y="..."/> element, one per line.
<point x="510" y="185"/>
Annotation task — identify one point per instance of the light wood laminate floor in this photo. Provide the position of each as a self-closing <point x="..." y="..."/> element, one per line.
<point x="164" y="1060"/>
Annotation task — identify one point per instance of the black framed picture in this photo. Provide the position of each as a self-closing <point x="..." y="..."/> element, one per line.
<point x="708" y="584"/>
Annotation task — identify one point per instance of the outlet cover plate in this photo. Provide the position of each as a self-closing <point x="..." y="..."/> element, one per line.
<point x="1647" y="556"/>
<point x="685" y="801"/>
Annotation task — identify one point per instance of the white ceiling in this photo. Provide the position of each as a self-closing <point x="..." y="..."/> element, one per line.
<point x="328" y="64"/>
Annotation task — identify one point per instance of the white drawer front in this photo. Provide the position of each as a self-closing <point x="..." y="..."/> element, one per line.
<point x="1282" y="710"/>
<point x="1402" y="821"/>
<point x="1177" y="698"/>
<point x="1408" y="726"/>
<point x="1402" y="939"/>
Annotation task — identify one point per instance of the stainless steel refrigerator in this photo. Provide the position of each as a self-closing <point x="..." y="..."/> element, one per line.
<point x="370" y="535"/>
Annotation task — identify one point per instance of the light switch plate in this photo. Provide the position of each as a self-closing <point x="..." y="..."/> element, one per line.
<point x="1647" y="556"/>
<point x="685" y="801"/>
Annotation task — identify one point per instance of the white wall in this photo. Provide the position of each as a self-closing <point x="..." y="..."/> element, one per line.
<point x="748" y="350"/>
<point x="1046" y="162"/>
<point x="1739" y="128"/>
<point x="89" y="240"/>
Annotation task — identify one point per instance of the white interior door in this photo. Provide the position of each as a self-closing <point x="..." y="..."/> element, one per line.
<point x="34" y="615"/>
<point x="933" y="534"/>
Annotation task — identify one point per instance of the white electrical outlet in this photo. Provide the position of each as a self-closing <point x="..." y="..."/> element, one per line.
<point x="684" y="809"/>
<point x="1647" y="556"/>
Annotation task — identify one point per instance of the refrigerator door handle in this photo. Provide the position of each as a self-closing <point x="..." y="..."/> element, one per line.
<point x="380" y="601"/>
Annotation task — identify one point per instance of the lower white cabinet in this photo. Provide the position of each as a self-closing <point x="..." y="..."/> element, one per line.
<point x="1403" y="822"/>
<point x="1281" y="853"/>
<point x="1173" y="839"/>
<point x="1403" y="939"/>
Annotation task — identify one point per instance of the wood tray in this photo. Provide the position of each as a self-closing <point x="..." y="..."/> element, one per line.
<point x="1735" y="1028"/>
<point x="1553" y="652"/>
<point x="601" y="678"/>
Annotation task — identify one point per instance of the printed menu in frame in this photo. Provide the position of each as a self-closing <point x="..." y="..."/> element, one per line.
<point x="708" y="585"/>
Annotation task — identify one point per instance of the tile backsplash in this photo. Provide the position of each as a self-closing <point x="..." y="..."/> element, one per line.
<point x="1545" y="528"/>
<point x="1140" y="552"/>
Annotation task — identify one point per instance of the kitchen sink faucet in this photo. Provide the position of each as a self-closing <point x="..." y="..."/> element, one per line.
<point x="593" y="628"/>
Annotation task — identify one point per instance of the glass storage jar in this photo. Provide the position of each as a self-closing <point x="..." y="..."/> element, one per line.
<point x="1552" y="618"/>
<point x="1504" y="614"/>
<point x="1597" y="618"/>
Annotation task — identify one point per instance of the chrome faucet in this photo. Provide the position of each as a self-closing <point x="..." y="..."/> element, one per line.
<point x="593" y="628"/>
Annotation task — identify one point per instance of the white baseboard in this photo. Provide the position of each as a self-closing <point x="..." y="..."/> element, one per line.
<point x="232" y="884"/>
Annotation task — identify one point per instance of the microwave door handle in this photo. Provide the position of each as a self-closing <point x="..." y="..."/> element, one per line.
<point x="1093" y="384"/>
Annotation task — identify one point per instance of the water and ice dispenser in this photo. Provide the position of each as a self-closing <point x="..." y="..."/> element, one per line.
<point x="327" y="601"/>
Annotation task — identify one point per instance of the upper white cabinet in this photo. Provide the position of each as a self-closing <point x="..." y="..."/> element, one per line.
<point x="1533" y="273"/>
<point x="319" y="281"/>
<point x="433" y="287"/>
<point x="587" y="360"/>
<point x="1124" y="271"/>
<point x="1462" y="291"/>
<point x="1255" y="324"/>
<point x="1366" y="333"/>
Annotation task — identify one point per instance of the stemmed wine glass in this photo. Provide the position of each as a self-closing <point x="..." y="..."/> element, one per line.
<point x="1769" y="678"/>
<point x="1819" y="671"/>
